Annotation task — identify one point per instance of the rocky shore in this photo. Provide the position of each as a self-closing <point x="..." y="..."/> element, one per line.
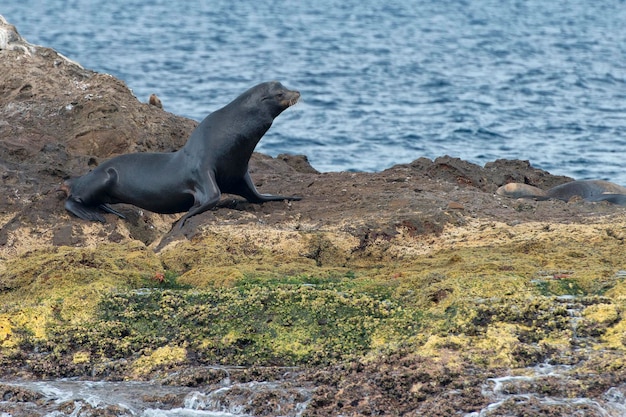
<point x="416" y="290"/>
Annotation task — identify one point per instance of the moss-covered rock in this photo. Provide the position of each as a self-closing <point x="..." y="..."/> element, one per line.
<point x="243" y="300"/>
<point x="65" y="284"/>
<point x="249" y="325"/>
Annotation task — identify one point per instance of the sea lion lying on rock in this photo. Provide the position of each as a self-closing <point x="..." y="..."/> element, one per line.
<point x="588" y="190"/>
<point x="213" y="161"/>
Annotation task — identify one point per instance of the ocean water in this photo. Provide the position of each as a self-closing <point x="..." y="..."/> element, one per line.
<point x="382" y="82"/>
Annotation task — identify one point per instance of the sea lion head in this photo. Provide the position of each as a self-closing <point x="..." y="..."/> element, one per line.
<point x="518" y="190"/>
<point x="65" y="188"/>
<point x="277" y="97"/>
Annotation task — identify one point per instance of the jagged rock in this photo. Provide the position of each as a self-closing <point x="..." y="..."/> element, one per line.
<point x="11" y="40"/>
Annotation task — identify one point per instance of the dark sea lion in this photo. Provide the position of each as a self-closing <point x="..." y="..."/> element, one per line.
<point x="589" y="190"/>
<point x="213" y="161"/>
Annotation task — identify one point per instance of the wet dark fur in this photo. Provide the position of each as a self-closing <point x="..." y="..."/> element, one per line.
<point x="213" y="161"/>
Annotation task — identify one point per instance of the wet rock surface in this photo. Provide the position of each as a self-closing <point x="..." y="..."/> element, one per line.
<point x="412" y="290"/>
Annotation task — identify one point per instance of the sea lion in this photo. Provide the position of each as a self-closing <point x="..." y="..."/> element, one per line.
<point x="588" y="190"/>
<point x="155" y="101"/>
<point x="213" y="161"/>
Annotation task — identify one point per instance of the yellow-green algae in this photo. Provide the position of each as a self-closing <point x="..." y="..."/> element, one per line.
<point x="162" y="357"/>
<point x="488" y="295"/>
<point x="65" y="284"/>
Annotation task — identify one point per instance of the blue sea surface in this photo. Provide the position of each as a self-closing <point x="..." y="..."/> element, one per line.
<point x="382" y="82"/>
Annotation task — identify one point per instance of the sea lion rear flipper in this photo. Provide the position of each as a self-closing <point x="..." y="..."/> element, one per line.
<point x="108" y="209"/>
<point x="84" y="212"/>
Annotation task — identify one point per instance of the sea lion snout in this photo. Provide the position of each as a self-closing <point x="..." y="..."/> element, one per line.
<point x="65" y="188"/>
<point x="290" y="98"/>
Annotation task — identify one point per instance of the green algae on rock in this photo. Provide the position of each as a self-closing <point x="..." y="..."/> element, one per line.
<point x="64" y="283"/>
<point x="280" y="325"/>
<point x="484" y="303"/>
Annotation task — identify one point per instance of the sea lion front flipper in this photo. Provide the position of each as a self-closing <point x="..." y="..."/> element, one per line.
<point x="203" y="200"/>
<point x="245" y="188"/>
<point x="619" y="199"/>
<point x="108" y="209"/>
<point x="84" y="212"/>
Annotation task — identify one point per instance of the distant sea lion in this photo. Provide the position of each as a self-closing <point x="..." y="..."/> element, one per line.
<point x="154" y="100"/>
<point x="589" y="190"/>
<point x="213" y="161"/>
